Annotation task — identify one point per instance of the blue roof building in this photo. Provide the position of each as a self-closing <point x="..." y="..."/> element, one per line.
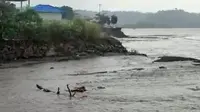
<point x="47" y="9"/>
<point x="48" y="12"/>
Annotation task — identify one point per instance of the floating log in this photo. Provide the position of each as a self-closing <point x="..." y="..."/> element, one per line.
<point x="39" y="87"/>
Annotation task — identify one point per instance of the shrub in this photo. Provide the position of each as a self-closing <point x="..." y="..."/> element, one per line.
<point x="28" y="23"/>
<point x="57" y="31"/>
<point x="54" y="31"/>
<point x="7" y="23"/>
<point x="92" y="30"/>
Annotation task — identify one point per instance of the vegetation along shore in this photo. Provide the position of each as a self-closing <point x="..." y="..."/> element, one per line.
<point x="25" y="35"/>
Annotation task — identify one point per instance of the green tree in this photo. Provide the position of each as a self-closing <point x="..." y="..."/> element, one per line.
<point x="67" y="12"/>
<point x="7" y="25"/>
<point x="114" y="19"/>
<point x="103" y="19"/>
<point x="28" y="23"/>
<point x="28" y="16"/>
<point x="15" y="24"/>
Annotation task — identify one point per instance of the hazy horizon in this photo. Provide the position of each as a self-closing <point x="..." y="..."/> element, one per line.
<point x="125" y="5"/>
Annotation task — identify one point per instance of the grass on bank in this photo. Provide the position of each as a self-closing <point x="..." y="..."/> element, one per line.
<point x="64" y="29"/>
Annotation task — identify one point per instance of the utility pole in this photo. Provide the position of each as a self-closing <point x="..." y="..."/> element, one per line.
<point x="21" y="4"/>
<point x="100" y="8"/>
<point x="29" y="3"/>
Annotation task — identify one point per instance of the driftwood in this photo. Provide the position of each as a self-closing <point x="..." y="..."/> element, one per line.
<point x="79" y="89"/>
<point x="39" y="87"/>
<point x="162" y="67"/>
<point x="58" y="92"/>
<point x="76" y="89"/>
<point x="44" y="89"/>
<point x="47" y="90"/>
<point x="70" y="92"/>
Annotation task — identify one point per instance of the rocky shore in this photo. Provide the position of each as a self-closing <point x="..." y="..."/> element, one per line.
<point x="116" y="32"/>
<point x="13" y="50"/>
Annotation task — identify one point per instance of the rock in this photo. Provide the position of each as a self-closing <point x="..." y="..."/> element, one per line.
<point x="51" y="67"/>
<point x="90" y="51"/>
<point x="99" y="53"/>
<point x="51" y="52"/>
<point x="175" y="58"/>
<point x="71" y="49"/>
<point x="82" y="54"/>
<point x="139" y="69"/>
<point x="162" y="67"/>
<point x="100" y="87"/>
<point x="116" y="32"/>
<point x="136" y="53"/>
<point x="76" y="57"/>
<point x="64" y="59"/>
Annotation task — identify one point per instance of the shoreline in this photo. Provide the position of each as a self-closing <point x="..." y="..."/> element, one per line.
<point x="34" y="61"/>
<point x="13" y="50"/>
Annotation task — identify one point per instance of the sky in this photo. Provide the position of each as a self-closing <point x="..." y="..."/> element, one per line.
<point x="124" y="5"/>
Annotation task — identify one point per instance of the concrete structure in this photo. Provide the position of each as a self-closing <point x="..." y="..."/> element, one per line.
<point x="48" y="12"/>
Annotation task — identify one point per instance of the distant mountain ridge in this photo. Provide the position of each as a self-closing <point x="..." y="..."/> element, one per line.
<point x="167" y="18"/>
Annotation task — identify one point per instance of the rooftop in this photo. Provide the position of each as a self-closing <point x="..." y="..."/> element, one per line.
<point x="46" y="8"/>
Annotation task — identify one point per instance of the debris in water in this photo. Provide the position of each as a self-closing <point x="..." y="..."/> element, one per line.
<point x="195" y="89"/>
<point x="44" y="89"/>
<point x="58" y="92"/>
<point x="175" y="58"/>
<point x="162" y="67"/>
<point x="39" y="87"/>
<point x="139" y="69"/>
<point x="47" y="90"/>
<point x="196" y="64"/>
<point x="79" y="89"/>
<point x="85" y="96"/>
<point x="100" y="87"/>
<point x="70" y="92"/>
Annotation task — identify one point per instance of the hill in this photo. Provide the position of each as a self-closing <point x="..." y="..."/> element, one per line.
<point x="165" y="18"/>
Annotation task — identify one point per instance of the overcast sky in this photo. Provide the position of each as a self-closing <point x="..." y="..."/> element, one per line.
<point x="127" y="5"/>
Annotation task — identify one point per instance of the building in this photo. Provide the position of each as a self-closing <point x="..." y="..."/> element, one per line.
<point x="48" y="12"/>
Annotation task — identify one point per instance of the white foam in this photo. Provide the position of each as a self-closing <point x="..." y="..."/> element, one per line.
<point x="192" y="37"/>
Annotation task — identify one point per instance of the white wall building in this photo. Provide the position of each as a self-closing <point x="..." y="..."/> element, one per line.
<point x="50" y="16"/>
<point x="48" y="12"/>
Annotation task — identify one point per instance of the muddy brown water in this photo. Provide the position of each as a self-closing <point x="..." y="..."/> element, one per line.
<point x="127" y="87"/>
